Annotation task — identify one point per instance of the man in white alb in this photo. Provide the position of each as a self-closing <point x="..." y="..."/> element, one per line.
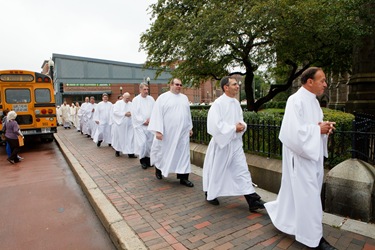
<point x="171" y="122"/>
<point x="65" y="115"/>
<point x="298" y="209"/>
<point x="142" y="106"/>
<point x="122" y="127"/>
<point x="101" y="117"/>
<point x="82" y="118"/>
<point x="225" y="170"/>
<point x="58" y="114"/>
<point x="89" y="112"/>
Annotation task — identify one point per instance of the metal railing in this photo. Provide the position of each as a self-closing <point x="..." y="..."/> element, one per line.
<point x="262" y="138"/>
<point x="259" y="138"/>
<point x="363" y="137"/>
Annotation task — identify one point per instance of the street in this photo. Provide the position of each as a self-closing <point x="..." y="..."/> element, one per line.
<point x="42" y="206"/>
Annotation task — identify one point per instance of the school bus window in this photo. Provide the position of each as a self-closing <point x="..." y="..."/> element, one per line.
<point x="42" y="95"/>
<point x="17" y="96"/>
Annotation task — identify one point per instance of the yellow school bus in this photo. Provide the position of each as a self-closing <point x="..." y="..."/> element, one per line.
<point x="31" y="95"/>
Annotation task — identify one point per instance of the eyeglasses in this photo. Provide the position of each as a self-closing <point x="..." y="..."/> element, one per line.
<point x="178" y="85"/>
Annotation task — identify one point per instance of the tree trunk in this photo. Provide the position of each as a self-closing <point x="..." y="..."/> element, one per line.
<point x="249" y="90"/>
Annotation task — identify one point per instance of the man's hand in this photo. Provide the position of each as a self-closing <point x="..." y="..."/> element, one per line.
<point x="159" y="136"/>
<point x="191" y="133"/>
<point x="240" y="127"/>
<point x="327" y="127"/>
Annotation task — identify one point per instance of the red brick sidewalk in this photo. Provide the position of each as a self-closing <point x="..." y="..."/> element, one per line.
<point x="167" y="215"/>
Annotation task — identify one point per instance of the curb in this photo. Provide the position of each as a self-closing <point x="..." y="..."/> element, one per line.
<point x="122" y="236"/>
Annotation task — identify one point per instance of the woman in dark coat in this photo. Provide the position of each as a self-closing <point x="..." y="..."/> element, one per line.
<point x="11" y="134"/>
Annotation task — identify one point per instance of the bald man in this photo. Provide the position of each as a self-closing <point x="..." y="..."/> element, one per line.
<point x="122" y="130"/>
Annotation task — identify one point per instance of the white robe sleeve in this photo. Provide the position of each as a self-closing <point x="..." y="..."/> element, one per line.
<point x="156" y="119"/>
<point x="222" y="132"/>
<point x="118" y="112"/>
<point x="137" y="117"/>
<point x="96" y="112"/>
<point x="300" y="136"/>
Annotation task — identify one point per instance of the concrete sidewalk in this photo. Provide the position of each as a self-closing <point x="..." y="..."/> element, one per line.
<point x="142" y="212"/>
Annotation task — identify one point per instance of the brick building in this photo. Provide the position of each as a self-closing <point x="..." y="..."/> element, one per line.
<point x="77" y="77"/>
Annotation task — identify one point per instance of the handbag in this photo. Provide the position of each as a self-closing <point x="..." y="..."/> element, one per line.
<point x="20" y="141"/>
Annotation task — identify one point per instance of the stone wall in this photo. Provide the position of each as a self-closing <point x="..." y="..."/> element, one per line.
<point x="266" y="173"/>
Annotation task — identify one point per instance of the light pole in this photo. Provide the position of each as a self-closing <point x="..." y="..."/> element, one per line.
<point x="148" y="83"/>
<point x="58" y="95"/>
<point x="51" y="64"/>
<point x="120" y="90"/>
<point x="239" y="93"/>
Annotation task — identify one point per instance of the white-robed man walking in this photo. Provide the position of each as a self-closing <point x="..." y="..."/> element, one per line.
<point x="101" y="117"/>
<point x="171" y="122"/>
<point x="89" y="113"/>
<point x="82" y="118"/>
<point x="122" y="127"/>
<point x="225" y="170"/>
<point x="141" y="113"/>
<point x="65" y="115"/>
<point x="298" y="209"/>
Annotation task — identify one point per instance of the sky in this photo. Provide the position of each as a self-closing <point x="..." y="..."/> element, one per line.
<point x="33" y="30"/>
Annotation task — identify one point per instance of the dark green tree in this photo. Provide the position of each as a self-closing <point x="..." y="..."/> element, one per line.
<point x="205" y="39"/>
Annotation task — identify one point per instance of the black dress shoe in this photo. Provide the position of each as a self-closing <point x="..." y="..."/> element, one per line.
<point x="132" y="156"/>
<point x="99" y="143"/>
<point x="117" y="153"/>
<point x="144" y="166"/>
<point x="186" y="182"/>
<point x="158" y="174"/>
<point x="212" y="202"/>
<point x="324" y="245"/>
<point x="258" y="204"/>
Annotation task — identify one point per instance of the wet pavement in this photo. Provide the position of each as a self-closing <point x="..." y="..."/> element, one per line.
<point x="142" y="212"/>
<point x="42" y="206"/>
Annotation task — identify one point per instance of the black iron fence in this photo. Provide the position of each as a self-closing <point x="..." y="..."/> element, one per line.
<point x="363" y="138"/>
<point x="261" y="137"/>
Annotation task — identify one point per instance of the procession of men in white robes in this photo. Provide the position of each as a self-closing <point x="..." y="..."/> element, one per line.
<point x="172" y="125"/>
<point x="141" y="113"/>
<point x="122" y="127"/>
<point x="161" y="130"/>
<point x="101" y="117"/>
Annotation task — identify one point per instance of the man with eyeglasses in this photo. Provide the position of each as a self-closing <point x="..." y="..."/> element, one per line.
<point x="172" y="125"/>
<point x="225" y="170"/>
